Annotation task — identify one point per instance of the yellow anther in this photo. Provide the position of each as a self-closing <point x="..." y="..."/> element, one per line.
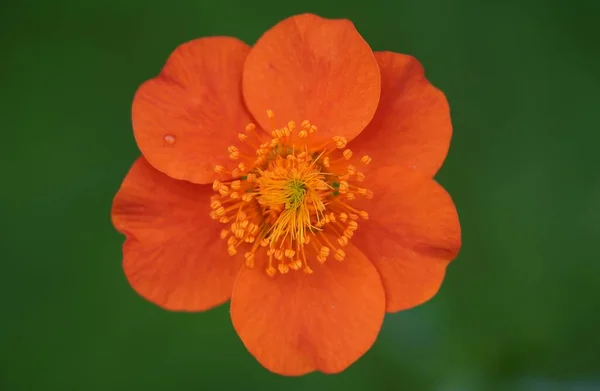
<point x="283" y="268"/>
<point x="219" y="169"/>
<point x="249" y="259"/>
<point x="364" y="215"/>
<point x="312" y="129"/>
<point x="343" y="187"/>
<point x="360" y="177"/>
<point x="224" y="233"/>
<point x="224" y="190"/>
<point x="271" y="271"/>
<point x="347" y="154"/>
<point x="242" y="137"/>
<point x="270" y="114"/>
<point x="250" y="127"/>
<point x="340" y="254"/>
<point x="340" y="142"/>
<point x="234" y="152"/>
<point x="235" y="185"/>
<point x="247" y="197"/>
<point x="366" y="159"/>
<point x="295" y="265"/>
<point x="343" y="240"/>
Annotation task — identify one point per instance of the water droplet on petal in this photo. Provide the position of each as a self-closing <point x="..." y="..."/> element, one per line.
<point x="169" y="139"/>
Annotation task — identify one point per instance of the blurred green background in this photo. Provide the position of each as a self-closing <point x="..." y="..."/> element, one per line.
<point x="520" y="308"/>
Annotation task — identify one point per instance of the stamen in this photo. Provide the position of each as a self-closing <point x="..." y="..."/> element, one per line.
<point x="286" y="207"/>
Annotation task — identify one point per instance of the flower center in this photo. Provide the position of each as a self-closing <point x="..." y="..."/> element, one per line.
<point x="290" y="201"/>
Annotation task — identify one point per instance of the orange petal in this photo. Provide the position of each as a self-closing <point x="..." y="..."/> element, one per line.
<point x="297" y="323"/>
<point x="185" y="118"/>
<point x="412" y="124"/>
<point x="308" y="67"/>
<point x="172" y="255"/>
<point x="413" y="232"/>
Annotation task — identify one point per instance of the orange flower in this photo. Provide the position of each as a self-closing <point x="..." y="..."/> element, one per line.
<point x="296" y="178"/>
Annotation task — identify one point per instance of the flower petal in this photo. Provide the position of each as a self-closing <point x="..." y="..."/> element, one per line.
<point x="172" y="256"/>
<point x="186" y="117"/>
<point x="413" y="232"/>
<point x="297" y="323"/>
<point x="412" y="124"/>
<point x="308" y="67"/>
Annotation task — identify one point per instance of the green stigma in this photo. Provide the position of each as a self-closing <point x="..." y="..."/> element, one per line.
<point x="296" y="191"/>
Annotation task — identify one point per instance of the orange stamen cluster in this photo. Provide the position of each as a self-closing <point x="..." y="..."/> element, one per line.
<point x="290" y="201"/>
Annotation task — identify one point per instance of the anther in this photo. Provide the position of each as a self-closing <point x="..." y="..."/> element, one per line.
<point x="271" y="271"/>
<point x="249" y="259"/>
<point x="340" y="142"/>
<point x="366" y="159"/>
<point x="347" y="154"/>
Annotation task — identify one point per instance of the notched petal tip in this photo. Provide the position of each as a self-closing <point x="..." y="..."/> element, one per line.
<point x="184" y="119"/>
<point x="412" y="235"/>
<point x="309" y="67"/>
<point x="172" y="255"/>
<point x="295" y="324"/>
<point x="412" y="126"/>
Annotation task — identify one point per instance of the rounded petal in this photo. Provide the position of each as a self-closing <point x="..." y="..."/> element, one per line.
<point x="412" y="124"/>
<point x="172" y="254"/>
<point x="413" y="232"/>
<point x="186" y="117"/>
<point x="310" y="68"/>
<point x="297" y="323"/>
